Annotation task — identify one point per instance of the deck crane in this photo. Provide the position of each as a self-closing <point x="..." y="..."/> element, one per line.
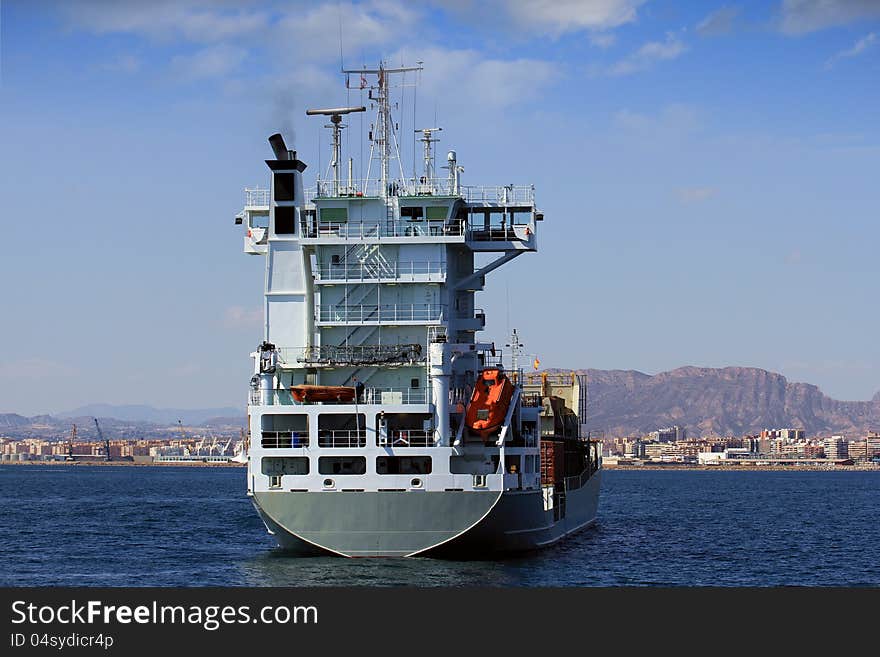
<point x="104" y="440"/>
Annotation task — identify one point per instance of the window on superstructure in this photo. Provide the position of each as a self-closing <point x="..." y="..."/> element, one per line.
<point x="412" y="213"/>
<point x="342" y="465"/>
<point x="285" y="465"/>
<point x="408" y="465"/>
<point x="334" y="215"/>
<point x="437" y="214"/>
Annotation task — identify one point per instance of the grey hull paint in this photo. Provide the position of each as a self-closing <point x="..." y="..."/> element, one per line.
<point x="396" y="524"/>
<point x="519" y="523"/>
<point x="368" y="524"/>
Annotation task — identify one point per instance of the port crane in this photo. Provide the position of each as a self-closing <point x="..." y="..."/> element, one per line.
<point x="70" y="444"/>
<point x="104" y="440"/>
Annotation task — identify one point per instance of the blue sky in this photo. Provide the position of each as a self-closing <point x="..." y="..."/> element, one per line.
<point x="708" y="171"/>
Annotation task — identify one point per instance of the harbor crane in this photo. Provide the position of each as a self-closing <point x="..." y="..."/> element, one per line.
<point x="70" y="444"/>
<point x="104" y="440"/>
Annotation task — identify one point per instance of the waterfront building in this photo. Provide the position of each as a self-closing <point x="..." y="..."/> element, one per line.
<point x="836" y="448"/>
<point x="784" y="434"/>
<point x="669" y="434"/>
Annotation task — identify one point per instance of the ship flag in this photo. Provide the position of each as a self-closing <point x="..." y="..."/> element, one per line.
<point x="537" y="362"/>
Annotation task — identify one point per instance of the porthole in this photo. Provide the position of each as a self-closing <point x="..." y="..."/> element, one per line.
<point x="328" y="483"/>
<point x="416" y="483"/>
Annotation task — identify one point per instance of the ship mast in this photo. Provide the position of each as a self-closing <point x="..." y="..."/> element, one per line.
<point x="384" y="134"/>
<point x="427" y="139"/>
<point x="336" y="125"/>
<point x="516" y="348"/>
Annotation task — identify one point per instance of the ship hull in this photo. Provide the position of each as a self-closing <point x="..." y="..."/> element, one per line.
<point x="443" y="524"/>
<point x="519" y="523"/>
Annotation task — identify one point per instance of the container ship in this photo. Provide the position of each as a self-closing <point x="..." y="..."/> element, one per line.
<point x="380" y="423"/>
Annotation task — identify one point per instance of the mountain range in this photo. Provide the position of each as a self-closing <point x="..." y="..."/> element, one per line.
<point x="143" y="413"/>
<point x="719" y="401"/>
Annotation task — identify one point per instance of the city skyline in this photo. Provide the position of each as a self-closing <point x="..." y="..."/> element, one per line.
<point x="708" y="174"/>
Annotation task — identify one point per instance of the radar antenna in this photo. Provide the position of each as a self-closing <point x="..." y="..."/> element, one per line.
<point x="337" y="126"/>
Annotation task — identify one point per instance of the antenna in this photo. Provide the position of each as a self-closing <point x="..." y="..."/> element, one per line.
<point x="427" y="139"/>
<point x="385" y="131"/>
<point x="336" y="125"/>
<point x="516" y="348"/>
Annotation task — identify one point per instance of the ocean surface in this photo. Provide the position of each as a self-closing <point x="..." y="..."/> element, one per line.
<point x="194" y="526"/>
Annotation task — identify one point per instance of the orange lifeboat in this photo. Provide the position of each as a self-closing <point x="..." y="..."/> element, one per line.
<point x="489" y="402"/>
<point x="307" y="393"/>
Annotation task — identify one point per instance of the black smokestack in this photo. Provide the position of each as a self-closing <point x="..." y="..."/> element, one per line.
<point x="279" y="147"/>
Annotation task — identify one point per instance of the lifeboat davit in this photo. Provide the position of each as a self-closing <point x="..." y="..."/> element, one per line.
<point x="307" y="393"/>
<point x="488" y="406"/>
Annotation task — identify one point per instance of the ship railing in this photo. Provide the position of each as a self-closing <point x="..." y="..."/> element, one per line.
<point x="273" y="397"/>
<point x="407" y="438"/>
<point x="413" y="312"/>
<point x="367" y="396"/>
<point x="310" y="227"/>
<point x="395" y="396"/>
<point x="498" y="233"/>
<point x="501" y="194"/>
<point x="372" y="271"/>
<point x="284" y="439"/>
<point x="369" y="354"/>
<point x="342" y="438"/>
<point x="421" y="186"/>
<point x="256" y="197"/>
<point x="359" y="187"/>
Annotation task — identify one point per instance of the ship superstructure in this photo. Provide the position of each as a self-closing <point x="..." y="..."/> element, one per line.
<point x="380" y="423"/>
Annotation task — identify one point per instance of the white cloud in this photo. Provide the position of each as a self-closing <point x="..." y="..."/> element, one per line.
<point x="803" y="16"/>
<point x="648" y="55"/>
<point x="492" y="83"/>
<point x="211" y="62"/>
<point x="561" y="16"/>
<point x="676" y="118"/>
<point x="195" y="20"/>
<point x="720" y="21"/>
<point x="603" y="39"/>
<point x="313" y="34"/>
<point x="860" y="46"/>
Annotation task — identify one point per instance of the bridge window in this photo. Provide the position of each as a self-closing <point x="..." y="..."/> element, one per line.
<point x="412" y="213"/>
<point x="342" y="465"/>
<point x="335" y="215"/>
<point x="437" y="214"/>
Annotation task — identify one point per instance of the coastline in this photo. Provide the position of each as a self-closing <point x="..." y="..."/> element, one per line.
<point x="744" y="468"/>
<point x="128" y="464"/>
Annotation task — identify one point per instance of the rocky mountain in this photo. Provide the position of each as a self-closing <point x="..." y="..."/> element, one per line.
<point x="719" y="401"/>
<point x="12" y="420"/>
